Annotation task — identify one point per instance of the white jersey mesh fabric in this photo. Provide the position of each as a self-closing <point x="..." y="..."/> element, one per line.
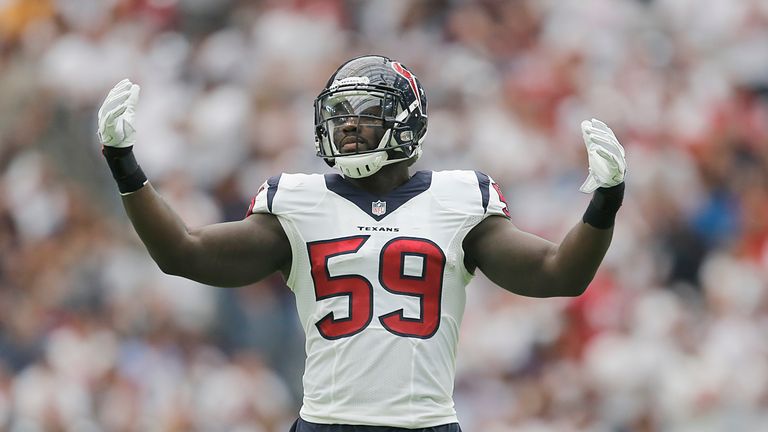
<point x="380" y="290"/>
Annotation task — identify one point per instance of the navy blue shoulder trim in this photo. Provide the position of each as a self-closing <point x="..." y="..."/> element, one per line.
<point x="272" y="182"/>
<point x="379" y="207"/>
<point x="485" y="183"/>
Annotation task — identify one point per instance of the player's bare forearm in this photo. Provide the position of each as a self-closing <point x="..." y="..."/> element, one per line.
<point x="162" y="231"/>
<point x="577" y="259"/>
<point x="581" y="252"/>
<point x="227" y="254"/>
<point x="529" y="265"/>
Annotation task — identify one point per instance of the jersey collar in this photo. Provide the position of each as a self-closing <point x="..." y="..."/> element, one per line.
<point x="372" y="204"/>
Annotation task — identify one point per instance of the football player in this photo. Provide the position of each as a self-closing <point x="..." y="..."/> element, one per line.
<point x="378" y="256"/>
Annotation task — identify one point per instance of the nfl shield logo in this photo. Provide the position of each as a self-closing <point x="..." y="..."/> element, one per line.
<point x="378" y="208"/>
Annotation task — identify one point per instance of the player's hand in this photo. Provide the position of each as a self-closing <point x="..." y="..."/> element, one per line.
<point x="607" y="164"/>
<point x="116" y="115"/>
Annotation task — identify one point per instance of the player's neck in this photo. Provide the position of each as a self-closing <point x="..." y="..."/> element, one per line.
<point x="387" y="179"/>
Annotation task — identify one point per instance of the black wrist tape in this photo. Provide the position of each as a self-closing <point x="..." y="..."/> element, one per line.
<point x="601" y="212"/>
<point x="125" y="170"/>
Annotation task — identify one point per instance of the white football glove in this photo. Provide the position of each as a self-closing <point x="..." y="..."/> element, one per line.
<point x="607" y="164"/>
<point x="116" y="115"/>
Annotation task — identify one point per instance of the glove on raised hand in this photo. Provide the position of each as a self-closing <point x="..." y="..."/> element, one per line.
<point x="116" y="115"/>
<point x="607" y="164"/>
<point x="118" y="135"/>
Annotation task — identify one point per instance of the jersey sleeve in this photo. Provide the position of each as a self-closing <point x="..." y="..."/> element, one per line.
<point x="492" y="198"/>
<point x="263" y="201"/>
<point x="472" y="193"/>
<point x="286" y="194"/>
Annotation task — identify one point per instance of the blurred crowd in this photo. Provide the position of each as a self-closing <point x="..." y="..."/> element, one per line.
<point x="670" y="336"/>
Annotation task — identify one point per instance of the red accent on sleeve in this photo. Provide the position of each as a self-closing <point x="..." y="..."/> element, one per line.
<point x="253" y="202"/>
<point x="501" y="198"/>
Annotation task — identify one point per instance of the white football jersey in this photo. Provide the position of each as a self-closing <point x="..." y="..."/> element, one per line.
<point x="380" y="290"/>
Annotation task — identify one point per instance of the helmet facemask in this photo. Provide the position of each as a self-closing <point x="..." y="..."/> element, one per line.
<point x="343" y="112"/>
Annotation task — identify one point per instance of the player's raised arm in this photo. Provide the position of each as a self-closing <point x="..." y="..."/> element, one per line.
<point x="529" y="265"/>
<point x="228" y="254"/>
